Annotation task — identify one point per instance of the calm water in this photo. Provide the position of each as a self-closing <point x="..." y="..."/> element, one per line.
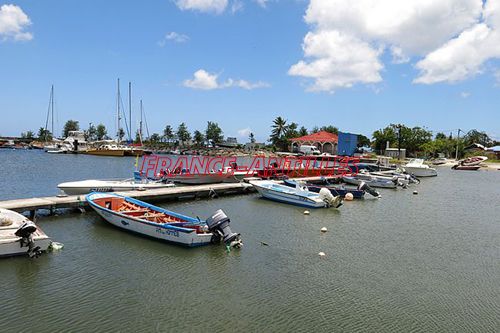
<point x="422" y="263"/>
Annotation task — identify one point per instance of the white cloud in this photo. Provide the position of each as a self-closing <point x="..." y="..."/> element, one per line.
<point x="451" y="38"/>
<point x="464" y="94"/>
<point x="337" y="60"/>
<point x="236" y="6"/>
<point x="206" y="6"/>
<point x="206" y="81"/>
<point x="496" y="74"/>
<point x="245" y="132"/>
<point x="262" y="3"/>
<point x="202" y="80"/>
<point x="13" y="22"/>
<point x="174" y="37"/>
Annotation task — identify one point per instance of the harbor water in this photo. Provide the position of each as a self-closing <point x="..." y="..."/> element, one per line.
<point x="405" y="262"/>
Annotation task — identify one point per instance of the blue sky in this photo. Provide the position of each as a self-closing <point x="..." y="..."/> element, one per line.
<point x="247" y="55"/>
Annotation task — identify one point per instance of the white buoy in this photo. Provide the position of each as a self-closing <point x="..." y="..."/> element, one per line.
<point x="324" y="229"/>
<point x="306" y="212"/>
<point x="321" y="254"/>
<point x="349" y="197"/>
<point x="415" y="192"/>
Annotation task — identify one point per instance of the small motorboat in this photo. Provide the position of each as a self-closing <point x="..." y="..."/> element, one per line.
<point x="417" y="168"/>
<point x="299" y="195"/>
<point x="20" y="236"/>
<point x="466" y="167"/>
<point x="335" y="190"/>
<point x="156" y="222"/>
<point x="95" y="185"/>
<point x="372" y="181"/>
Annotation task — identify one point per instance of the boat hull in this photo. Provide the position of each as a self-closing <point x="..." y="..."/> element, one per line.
<point x="288" y="198"/>
<point x="421" y="172"/>
<point x="372" y="183"/>
<point x="106" y="152"/>
<point x="87" y="186"/>
<point x="10" y="244"/>
<point x="165" y="232"/>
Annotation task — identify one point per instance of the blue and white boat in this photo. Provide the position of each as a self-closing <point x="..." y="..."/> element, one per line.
<point x="143" y="218"/>
<point x="299" y="195"/>
<point x="334" y="190"/>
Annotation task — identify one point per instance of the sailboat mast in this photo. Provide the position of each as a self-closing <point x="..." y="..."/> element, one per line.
<point x="52" y="108"/>
<point x="140" y="126"/>
<point x="130" y="111"/>
<point x="118" y="111"/>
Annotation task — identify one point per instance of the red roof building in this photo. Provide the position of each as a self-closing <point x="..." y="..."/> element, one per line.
<point x="326" y="142"/>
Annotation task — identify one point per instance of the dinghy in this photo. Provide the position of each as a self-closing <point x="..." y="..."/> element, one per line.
<point x="156" y="222"/>
<point x="20" y="236"/>
<point x="300" y="195"/>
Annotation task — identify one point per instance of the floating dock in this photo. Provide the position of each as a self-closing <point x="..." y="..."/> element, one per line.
<point x="151" y="195"/>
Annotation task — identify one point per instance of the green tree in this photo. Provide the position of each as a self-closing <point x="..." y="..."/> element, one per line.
<point x="101" y="132"/>
<point x="291" y="131"/>
<point x="44" y="134"/>
<point x="214" y="132"/>
<point x="363" y="141"/>
<point x="251" y="137"/>
<point x="279" y="129"/>
<point x="120" y="134"/>
<point x="303" y="131"/>
<point x="71" y="125"/>
<point x="440" y="136"/>
<point x="90" y="133"/>
<point x="198" y="137"/>
<point x="315" y="129"/>
<point x="183" y="134"/>
<point x="168" y="133"/>
<point x="155" y="138"/>
<point x="28" y="135"/>
<point x="330" y="129"/>
<point x="381" y="136"/>
<point x="475" y="136"/>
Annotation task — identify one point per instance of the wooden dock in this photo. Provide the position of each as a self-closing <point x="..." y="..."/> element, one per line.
<point x="151" y="195"/>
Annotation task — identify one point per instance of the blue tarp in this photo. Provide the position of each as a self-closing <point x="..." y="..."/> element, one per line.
<point x="347" y="144"/>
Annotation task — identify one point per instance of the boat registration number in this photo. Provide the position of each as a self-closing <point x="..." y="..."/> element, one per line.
<point x="101" y="189"/>
<point x="168" y="232"/>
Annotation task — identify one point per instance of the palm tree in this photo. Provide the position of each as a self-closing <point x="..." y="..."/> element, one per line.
<point x="278" y="133"/>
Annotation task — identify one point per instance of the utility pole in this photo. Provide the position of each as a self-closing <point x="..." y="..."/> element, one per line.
<point x="399" y="141"/>
<point x="458" y="141"/>
<point x="130" y="110"/>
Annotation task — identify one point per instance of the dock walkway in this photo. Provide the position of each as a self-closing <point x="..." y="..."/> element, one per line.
<point x="162" y="194"/>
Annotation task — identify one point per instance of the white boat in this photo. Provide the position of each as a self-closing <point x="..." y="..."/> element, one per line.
<point x="185" y="177"/>
<point x="372" y="181"/>
<point x="145" y="219"/>
<point x="20" y="236"/>
<point x="417" y="168"/>
<point x="95" y="185"/>
<point x="299" y="195"/>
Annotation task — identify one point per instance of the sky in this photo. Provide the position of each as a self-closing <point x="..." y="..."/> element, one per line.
<point x="241" y="63"/>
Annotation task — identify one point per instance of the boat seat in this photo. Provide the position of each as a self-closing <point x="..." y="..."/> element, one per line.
<point x="134" y="211"/>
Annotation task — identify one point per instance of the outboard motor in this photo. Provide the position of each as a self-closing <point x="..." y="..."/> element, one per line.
<point x="218" y="224"/>
<point x="367" y="188"/>
<point x="26" y="231"/>
<point x="329" y="199"/>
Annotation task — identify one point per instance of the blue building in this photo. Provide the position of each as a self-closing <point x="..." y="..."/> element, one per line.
<point x="348" y="143"/>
